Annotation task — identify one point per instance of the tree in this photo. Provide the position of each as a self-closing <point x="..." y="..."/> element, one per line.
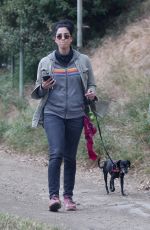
<point x="36" y="18"/>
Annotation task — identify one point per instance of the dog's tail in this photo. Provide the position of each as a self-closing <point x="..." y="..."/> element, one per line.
<point x="100" y="163"/>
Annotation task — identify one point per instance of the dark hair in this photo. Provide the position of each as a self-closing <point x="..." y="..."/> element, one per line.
<point x="64" y="23"/>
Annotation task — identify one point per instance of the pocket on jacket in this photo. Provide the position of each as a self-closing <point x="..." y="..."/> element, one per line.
<point x="85" y="73"/>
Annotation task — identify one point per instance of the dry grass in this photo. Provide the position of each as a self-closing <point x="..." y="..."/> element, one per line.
<point x="122" y="69"/>
<point x="122" y="64"/>
<point x="8" y="222"/>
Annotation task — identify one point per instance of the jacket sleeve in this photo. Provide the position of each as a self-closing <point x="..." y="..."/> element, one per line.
<point x="38" y="91"/>
<point x="91" y="80"/>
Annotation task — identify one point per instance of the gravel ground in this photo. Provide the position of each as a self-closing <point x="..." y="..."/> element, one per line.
<point x="24" y="192"/>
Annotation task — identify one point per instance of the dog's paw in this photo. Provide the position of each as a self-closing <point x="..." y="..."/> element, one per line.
<point x="112" y="189"/>
<point x="124" y="194"/>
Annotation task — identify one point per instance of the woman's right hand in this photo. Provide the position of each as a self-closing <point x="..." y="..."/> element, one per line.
<point x="48" y="84"/>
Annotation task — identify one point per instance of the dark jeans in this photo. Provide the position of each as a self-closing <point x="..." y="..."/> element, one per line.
<point x="63" y="137"/>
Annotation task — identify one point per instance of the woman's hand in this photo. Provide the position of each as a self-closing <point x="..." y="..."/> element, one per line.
<point x="48" y="84"/>
<point x="90" y="94"/>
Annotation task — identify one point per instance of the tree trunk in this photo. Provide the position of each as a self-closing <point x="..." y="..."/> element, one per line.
<point x="21" y="70"/>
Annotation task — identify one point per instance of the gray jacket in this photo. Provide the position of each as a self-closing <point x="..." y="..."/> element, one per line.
<point x="84" y="67"/>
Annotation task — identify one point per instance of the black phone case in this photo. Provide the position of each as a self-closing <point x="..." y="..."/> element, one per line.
<point x="46" y="77"/>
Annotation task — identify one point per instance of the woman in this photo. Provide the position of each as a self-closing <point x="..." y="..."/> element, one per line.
<point x="61" y="109"/>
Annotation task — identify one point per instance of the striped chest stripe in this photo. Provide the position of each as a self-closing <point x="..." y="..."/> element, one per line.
<point x="68" y="72"/>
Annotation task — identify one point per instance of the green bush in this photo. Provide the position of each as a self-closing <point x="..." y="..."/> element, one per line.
<point x="3" y="127"/>
<point x="137" y="111"/>
<point x="9" y="94"/>
<point x="22" y="137"/>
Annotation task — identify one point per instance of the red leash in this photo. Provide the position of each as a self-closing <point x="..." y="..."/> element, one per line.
<point x="89" y="132"/>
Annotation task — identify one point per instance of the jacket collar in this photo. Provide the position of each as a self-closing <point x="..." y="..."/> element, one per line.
<point x="51" y="56"/>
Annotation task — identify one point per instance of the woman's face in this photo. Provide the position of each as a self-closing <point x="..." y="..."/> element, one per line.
<point x="63" y="38"/>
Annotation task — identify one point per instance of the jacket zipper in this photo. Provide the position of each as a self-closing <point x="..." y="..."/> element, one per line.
<point x="66" y="107"/>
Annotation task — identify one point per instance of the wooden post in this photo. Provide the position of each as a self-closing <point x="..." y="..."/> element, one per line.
<point x="12" y="69"/>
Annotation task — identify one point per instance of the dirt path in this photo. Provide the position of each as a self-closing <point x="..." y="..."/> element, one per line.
<point x="23" y="192"/>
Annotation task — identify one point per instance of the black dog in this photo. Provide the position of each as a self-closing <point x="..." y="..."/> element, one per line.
<point x="116" y="169"/>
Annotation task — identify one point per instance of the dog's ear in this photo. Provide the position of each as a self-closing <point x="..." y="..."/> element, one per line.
<point x="129" y="163"/>
<point x="118" y="163"/>
<point x="100" y="164"/>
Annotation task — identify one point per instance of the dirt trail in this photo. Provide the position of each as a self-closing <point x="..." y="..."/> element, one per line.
<point x="23" y="192"/>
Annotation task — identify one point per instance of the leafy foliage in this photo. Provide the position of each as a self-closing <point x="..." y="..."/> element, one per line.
<point x="30" y="21"/>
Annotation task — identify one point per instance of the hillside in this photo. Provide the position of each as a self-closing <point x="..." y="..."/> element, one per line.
<point x="121" y="65"/>
<point x="122" y="68"/>
<point x="124" y="58"/>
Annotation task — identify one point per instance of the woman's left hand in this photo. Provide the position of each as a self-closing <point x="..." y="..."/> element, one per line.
<point x="90" y="94"/>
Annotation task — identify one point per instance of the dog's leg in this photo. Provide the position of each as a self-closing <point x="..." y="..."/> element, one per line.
<point x="105" y="179"/>
<point x="122" y="184"/>
<point x="112" y="184"/>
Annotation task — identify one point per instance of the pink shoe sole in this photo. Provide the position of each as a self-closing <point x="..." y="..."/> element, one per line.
<point x="54" y="205"/>
<point x="69" y="204"/>
<point x="70" y="208"/>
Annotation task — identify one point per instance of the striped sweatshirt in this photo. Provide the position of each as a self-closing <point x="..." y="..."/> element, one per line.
<point x="66" y="98"/>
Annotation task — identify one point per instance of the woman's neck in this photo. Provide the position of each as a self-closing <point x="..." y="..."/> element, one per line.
<point x="64" y="58"/>
<point x="64" y="51"/>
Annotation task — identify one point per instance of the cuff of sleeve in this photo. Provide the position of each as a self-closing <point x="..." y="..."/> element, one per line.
<point x="42" y="91"/>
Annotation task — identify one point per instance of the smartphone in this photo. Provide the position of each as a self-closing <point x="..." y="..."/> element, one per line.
<point x="46" y="77"/>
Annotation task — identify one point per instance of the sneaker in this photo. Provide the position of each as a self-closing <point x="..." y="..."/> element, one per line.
<point x="69" y="204"/>
<point x="54" y="204"/>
